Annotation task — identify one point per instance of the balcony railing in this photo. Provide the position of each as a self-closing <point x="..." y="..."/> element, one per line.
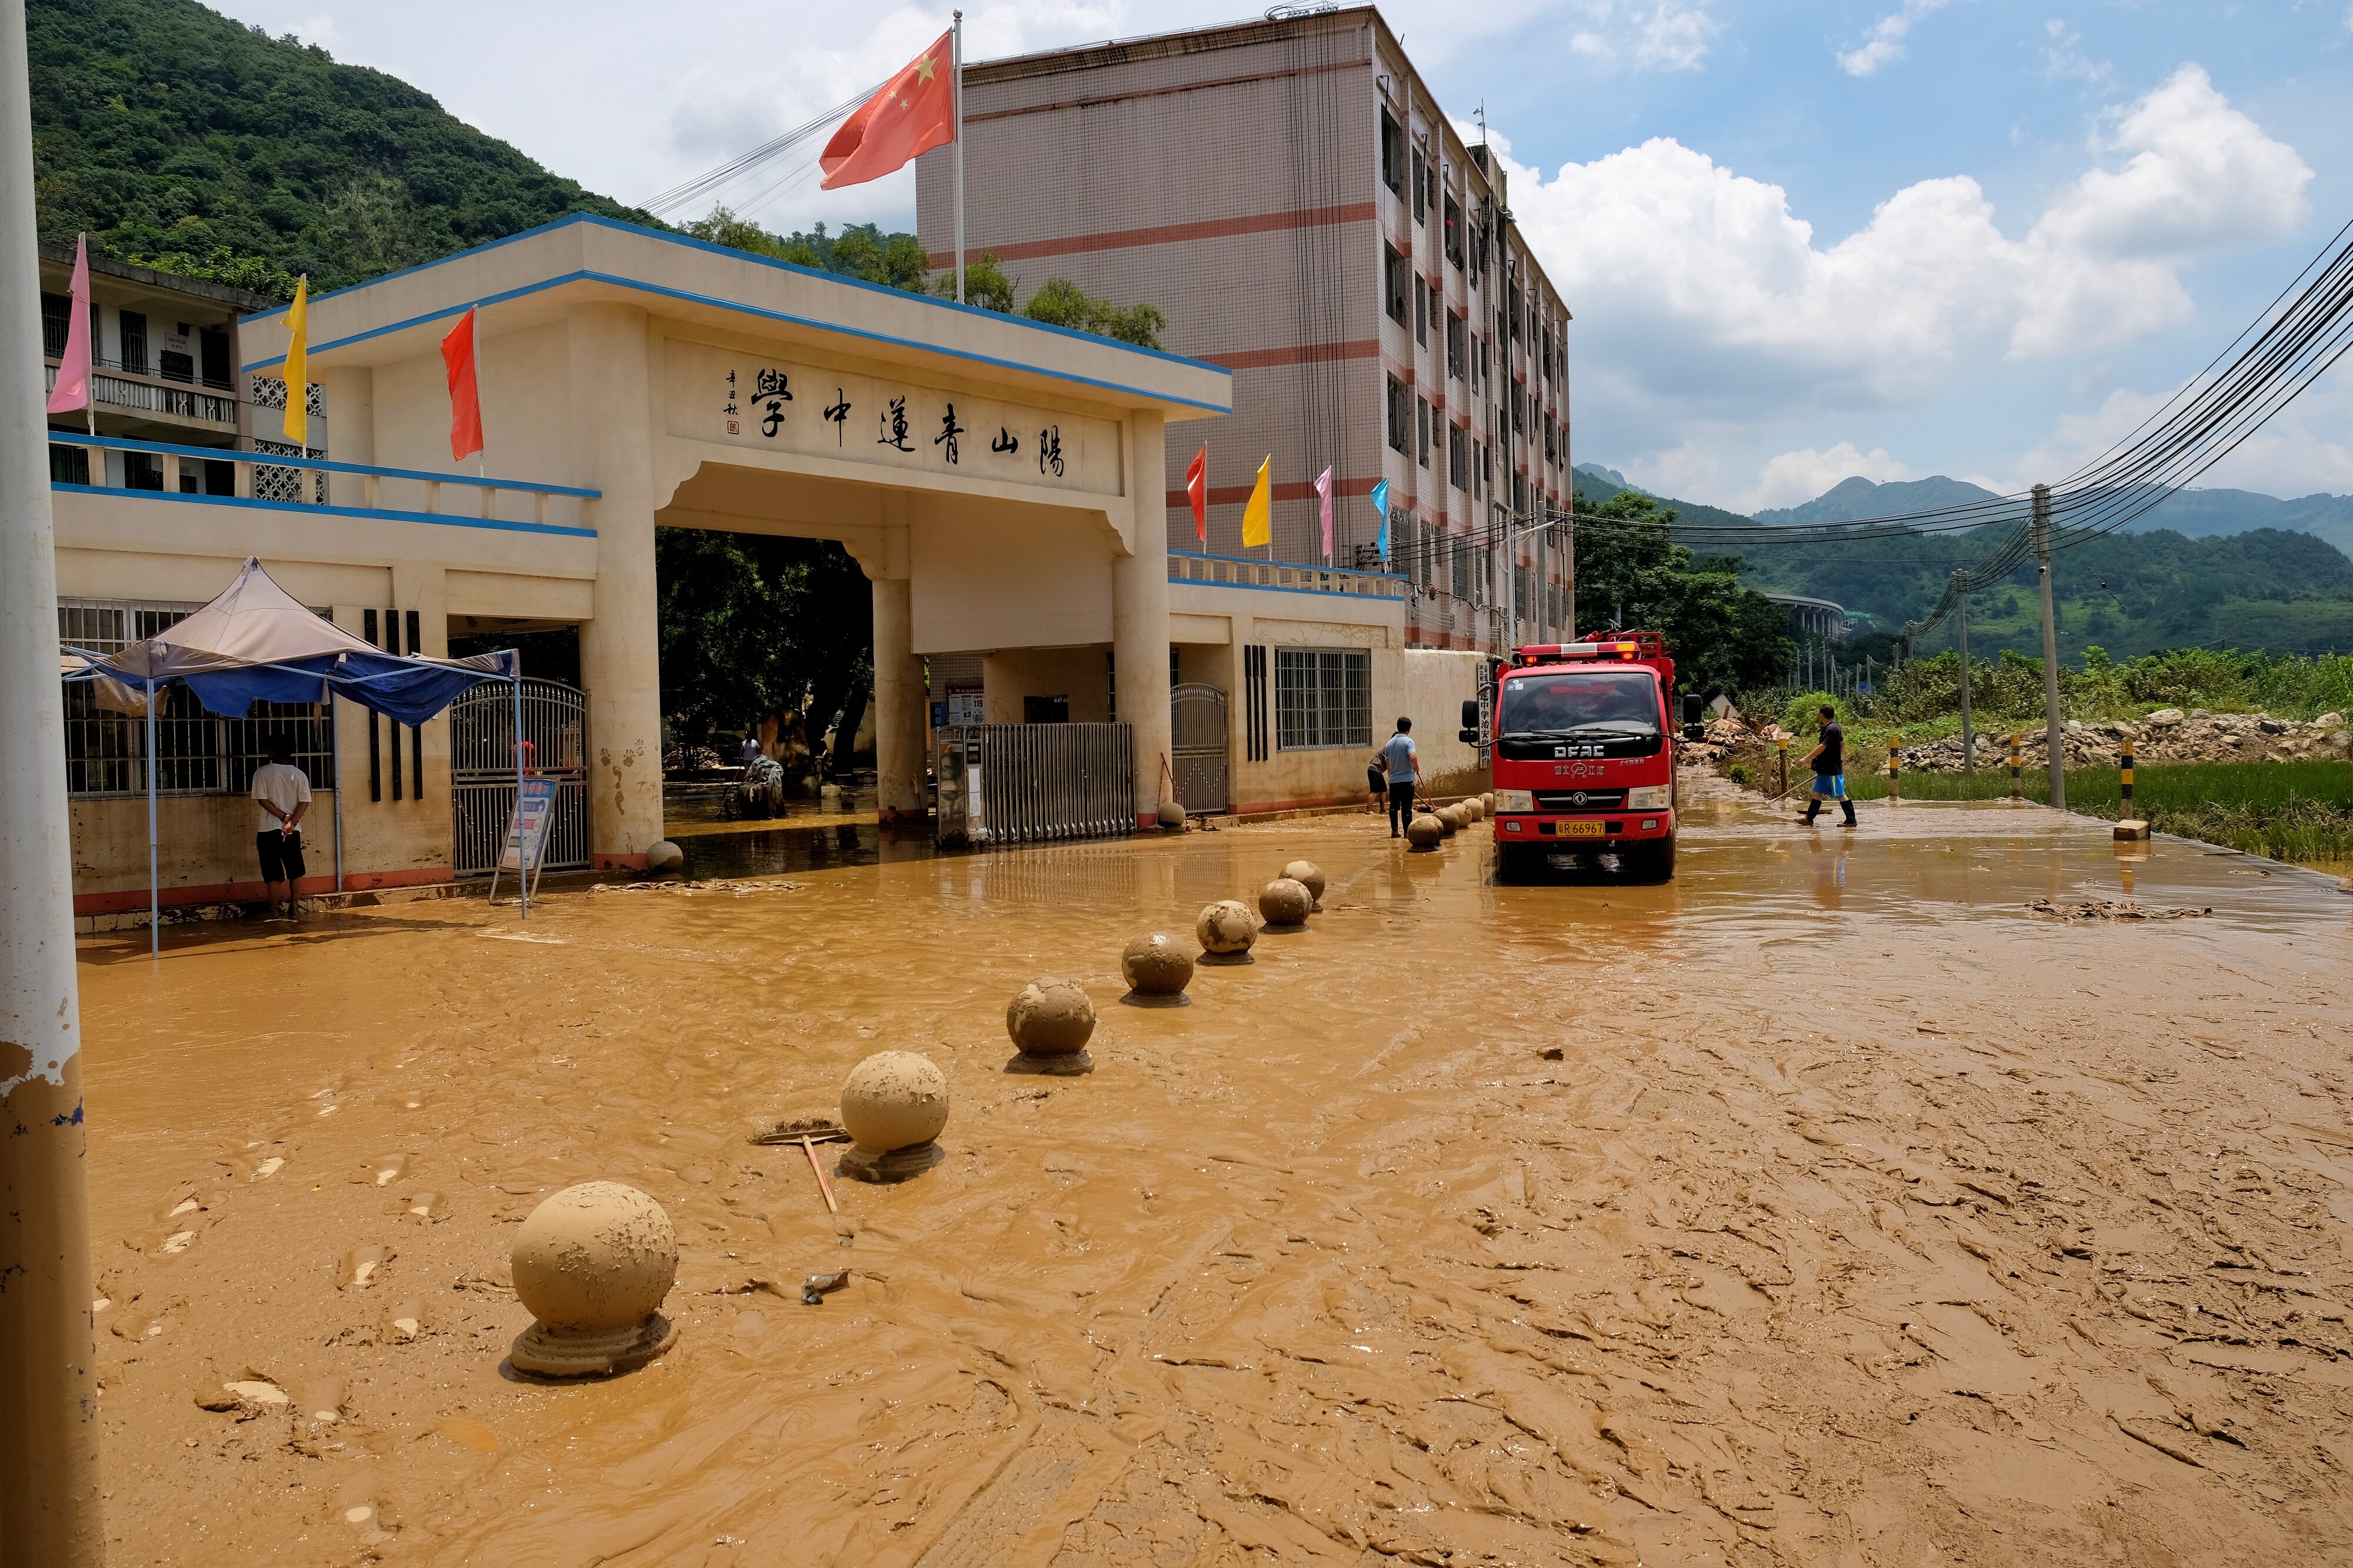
<point x="1283" y="576"/>
<point x="262" y="480"/>
<point x="155" y="395"/>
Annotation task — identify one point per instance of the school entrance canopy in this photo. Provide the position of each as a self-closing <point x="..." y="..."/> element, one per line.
<point x="254" y="642"/>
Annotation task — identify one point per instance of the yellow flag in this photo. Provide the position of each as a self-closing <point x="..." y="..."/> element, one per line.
<point x="297" y="365"/>
<point x="1258" y="518"/>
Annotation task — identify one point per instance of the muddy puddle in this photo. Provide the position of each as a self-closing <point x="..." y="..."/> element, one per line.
<point x="1822" y="1205"/>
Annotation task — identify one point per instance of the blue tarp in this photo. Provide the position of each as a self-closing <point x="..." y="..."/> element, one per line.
<point x="406" y="690"/>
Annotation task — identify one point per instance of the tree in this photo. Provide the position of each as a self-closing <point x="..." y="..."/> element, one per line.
<point x="1725" y="638"/>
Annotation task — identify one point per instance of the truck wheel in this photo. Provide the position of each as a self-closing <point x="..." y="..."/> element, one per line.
<point x="1654" y="861"/>
<point x="1514" y="863"/>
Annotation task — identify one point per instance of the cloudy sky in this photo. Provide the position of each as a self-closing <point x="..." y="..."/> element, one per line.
<point x="1802" y="238"/>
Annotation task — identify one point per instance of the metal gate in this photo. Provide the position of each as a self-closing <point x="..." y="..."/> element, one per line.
<point x="482" y="771"/>
<point x="1025" y="784"/>
<point x="1196" y="747"/>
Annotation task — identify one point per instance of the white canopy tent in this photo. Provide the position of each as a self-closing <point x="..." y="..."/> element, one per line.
<point x="254" y="642"/>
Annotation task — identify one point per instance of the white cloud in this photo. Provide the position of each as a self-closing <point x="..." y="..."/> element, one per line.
<point x="1883" y="45"/>
<point x="1655" y="35"/>
<point x="1699" y="287"/>
<point x="2062" y="62"/>
<point x="1800" y="476"/>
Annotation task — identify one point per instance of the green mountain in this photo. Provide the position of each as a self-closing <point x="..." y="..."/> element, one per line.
<point x="1859" y="498"/>
<point x="175" y="136"/>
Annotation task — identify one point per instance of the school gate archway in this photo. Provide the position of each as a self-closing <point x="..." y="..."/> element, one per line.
<point x="1001" y="483"/>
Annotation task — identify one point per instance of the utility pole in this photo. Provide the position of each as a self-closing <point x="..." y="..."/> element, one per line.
<point x="2052" y="754"/>
<point x="48" y="1375"/>
<point x="1969" y="732"/>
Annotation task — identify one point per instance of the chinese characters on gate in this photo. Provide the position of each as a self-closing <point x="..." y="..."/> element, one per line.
<point x="771" y="391"/>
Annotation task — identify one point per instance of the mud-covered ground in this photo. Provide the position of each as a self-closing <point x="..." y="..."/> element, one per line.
<point x="1822" y="1206"/>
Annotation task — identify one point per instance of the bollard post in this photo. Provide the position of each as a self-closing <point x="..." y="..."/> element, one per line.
<point x="2130" y="828"/>
<point x="1782" y="771"/>
<point x="1894" y="770"/>
<point x="2017" y="790"/>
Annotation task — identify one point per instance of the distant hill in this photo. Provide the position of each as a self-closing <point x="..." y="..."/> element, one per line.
<point x="1859" y="498"/>
<point x="1596" y="483"/>
<point x="1609" y="476"/>
<point x="169" y="130"/>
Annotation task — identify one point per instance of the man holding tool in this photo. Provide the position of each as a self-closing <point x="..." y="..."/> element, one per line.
<point x="1828" y="761"/>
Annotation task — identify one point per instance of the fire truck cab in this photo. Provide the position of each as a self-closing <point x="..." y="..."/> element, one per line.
<point x="1584" y="754"/>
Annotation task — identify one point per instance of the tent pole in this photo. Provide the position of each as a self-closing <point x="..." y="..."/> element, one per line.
<point x="335" y="776"/>
<point x="522" y="871"/>
<point x="154" y="893"/>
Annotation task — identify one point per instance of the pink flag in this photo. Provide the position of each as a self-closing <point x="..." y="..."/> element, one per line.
<point x="73" y="370"/>
<point x="1324" y="493"/>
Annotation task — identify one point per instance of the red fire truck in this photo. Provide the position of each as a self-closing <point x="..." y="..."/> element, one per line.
<point x="1584" y="754"/>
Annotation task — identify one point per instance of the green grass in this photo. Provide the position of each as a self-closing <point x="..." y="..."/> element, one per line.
<point x="2300" y="812"/>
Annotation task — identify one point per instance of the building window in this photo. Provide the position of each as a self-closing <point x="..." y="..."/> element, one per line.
<point x="1421" y="186"/>
<point x="134" y="341"/>
<point x="1393" y="275"/>
<point x="1421" y="419"/>
<point x="1323" y="698"/>
<point x="1458" y="457"/>
<point x="1392" y="153"/>
<point x="69" y="465"/>
<point x="198" y="752"/>
<point x="1461" y="562"/>
<point x="1399" y="416"/>
<point x="1420" y="314"/>
<point x="56" y="315"/>
<point x="1453" y="237"/>
<point x="1454" y="355"/>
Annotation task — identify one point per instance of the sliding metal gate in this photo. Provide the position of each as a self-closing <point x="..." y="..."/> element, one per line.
<point x="1027" y="783"/>
<point x="482" y="771"/>
<point x="1197" y="748"/>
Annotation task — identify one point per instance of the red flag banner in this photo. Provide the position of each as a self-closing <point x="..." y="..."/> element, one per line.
<point x="914" y="113"/>
<point x="1197" y="485"/>
<point x="465" y="398"/>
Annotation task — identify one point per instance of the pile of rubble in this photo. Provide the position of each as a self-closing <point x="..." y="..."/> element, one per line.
<point x="1724" y="737"/>
<point x="2168" y="735"/>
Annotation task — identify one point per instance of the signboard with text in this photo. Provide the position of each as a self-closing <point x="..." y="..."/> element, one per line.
<point x="527" y="827"/>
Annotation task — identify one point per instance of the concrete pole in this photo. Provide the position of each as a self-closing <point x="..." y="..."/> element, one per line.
<point x="1969" y="732"/>
<point x="2052" y="754"/>
<point x="48" y="1377"/>
<point x="1139" y="615"/>
<point x="901" y="725"/>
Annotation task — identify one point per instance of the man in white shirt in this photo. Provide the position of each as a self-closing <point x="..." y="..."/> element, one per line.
<point x="283" y="793"/>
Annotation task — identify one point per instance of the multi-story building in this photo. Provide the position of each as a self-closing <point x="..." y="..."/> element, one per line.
<point x="1292" y="195"/>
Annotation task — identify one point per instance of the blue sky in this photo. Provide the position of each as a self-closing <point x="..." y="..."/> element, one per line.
<point x="1803" y="238"/>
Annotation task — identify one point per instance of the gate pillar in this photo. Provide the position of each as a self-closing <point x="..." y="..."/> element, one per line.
<point x="1139" y="611"/>
<point x="902" y="727"/>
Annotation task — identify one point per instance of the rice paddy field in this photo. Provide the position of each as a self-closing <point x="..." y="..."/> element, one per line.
<point x="2299" y="812"/>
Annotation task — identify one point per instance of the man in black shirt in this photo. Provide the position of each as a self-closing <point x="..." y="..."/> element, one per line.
<point x="1829" y="763"/>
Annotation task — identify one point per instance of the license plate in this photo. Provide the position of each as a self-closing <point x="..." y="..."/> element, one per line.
<point x="1576" y="829"/>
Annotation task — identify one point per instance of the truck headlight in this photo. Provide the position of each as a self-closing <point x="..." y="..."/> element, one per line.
<point x="1514" y="800"/>
<point x="1647" y="797"/>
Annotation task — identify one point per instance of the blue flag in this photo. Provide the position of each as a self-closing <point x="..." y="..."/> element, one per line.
<point x="1381" y="504"/>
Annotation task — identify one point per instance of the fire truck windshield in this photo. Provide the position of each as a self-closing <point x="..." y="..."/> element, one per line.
<point x="1557" y="702"/>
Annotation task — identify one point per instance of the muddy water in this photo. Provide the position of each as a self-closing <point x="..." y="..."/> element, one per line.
<point x="1822" y="1206"/>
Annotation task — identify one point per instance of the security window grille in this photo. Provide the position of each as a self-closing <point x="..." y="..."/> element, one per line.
<point x="269" y="392"/>
<point x="1482" y="473"/>
<point x="1454" y="354"/>
<point x="1454" y="235"/>
<point x="197" y="753"/>
<point x="134" y="341"/>
<point x="1393" y="281"/>
<point x="1323" y="698"/>
<point x="1421" y="420"/>
<point x="1401" y="415"/>
<point x="1460" y="558"/>
<point x="1420" y="314"/>
<point x="57" y="316"/>
<point x="1421" y="186"/>
<point x="1392" y="153"/>
<point x="298" y="487"/>
<point x="1458" y="457"/>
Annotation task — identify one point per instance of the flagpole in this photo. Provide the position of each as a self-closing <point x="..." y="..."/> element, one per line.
<point x="955" y="53"/>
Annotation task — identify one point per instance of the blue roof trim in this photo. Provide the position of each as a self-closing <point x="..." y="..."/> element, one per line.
<point x="438" y="520"/>
<point x="1276" y="588"/>
<point x="787" y="316"/>
<point x="60" y="437"/>
<point x="691" y="242"/>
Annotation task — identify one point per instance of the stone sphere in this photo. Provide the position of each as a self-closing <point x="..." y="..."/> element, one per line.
<point x="1226" y="926"/>
<point x="665" y="856"/>
<point x="1308" y="875"/>
<point x="1156" y="965"/>
<point x="1284" y="902"/>
<point x="1450" y="822"/>
<point x="1172" y="813"/>
<point x="1051" y="1018"/>
<point x="1424" y="833"/>
<point x="894" y="1099"/>
<point x="598" y="1256"/>
<point x="1487" y="803"/>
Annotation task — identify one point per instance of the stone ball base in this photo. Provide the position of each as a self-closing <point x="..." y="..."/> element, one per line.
<point x="1225" y="960"/>
<point x="883" y="1167"/>
<point x="543" y="1352"/>
<point x="1070" y="1064"/>
<point x="1158" y="998"/>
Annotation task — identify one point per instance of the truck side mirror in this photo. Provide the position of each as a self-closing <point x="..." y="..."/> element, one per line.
<point x="1468" y="737"/>
<point x="1469" y="712"/>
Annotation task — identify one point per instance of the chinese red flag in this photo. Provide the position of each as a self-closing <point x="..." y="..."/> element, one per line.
<point x="914" y="113"/>
<point x="1197" y="485"/>
<point x="465" y="399"/>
